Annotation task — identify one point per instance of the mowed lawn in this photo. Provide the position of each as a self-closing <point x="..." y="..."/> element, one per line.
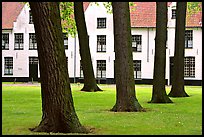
<point x="21" y="109"/>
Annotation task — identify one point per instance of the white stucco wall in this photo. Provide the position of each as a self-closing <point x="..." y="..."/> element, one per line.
<point x="21" y="57"/>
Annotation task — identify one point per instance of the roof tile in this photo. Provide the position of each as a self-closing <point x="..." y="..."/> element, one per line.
<point x="10" y="12"/>
<point x="144" y="14"/>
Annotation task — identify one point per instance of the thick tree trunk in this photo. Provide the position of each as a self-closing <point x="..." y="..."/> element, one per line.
<point x="159" y="92"/>
<point x="58" y="113"/>
<point x="177" y="89"/>
<point x="87" y="67"/>
<point x="125" y="87"/>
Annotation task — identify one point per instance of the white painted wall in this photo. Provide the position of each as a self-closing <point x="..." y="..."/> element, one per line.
<point x="21" y="57"/>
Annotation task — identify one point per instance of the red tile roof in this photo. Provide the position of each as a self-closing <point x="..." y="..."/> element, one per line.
<point x="144" y="14"/>
<point x="86" y="4"/>
<point x="10" y="12"/>
<point x="194" y="20"/>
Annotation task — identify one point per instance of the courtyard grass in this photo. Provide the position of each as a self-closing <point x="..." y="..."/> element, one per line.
<point x="21" y="109"/>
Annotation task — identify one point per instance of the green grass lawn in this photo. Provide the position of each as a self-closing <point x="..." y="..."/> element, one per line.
<point x="21" y="109"/>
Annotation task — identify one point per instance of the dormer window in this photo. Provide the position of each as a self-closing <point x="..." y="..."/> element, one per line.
<point x="173" y="14"/>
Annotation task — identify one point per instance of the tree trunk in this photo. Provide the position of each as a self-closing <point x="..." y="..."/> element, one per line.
<point x="58" y="112"/>
<point x="159" y="92"/>
<point x="125" y="87"/>
<point x="177" y="89"/>
<point x="87" y="67"/>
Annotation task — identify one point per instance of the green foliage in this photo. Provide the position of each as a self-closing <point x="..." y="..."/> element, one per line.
<point x="21" y="109"/>
<point x="67" y="16"/>
<point x="194" y="7"/>
<point x="108" y="6"/>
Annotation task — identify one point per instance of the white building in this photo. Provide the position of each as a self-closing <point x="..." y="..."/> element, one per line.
<point x="19" y="54"/>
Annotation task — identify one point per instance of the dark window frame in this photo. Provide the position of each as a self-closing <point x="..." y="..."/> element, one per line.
<point x="33" y="60"/>
<point x="101" y="69"/>
<point x="18" y="41"/>
<point x="101" y="23"/>
<point x="137" y="69"/>
<point x="67" y="61"/>
<point x="65" y="41"/>
<point x="5" y="41"/>
<point x="8" y="64"/>
<point x="137" y="43"/>
<point x="173" y="13"/>
<point x="32" y="41"/>
<point x="189" y="67"/>
<point x="101" y="43"/>
<point x="30" y="17"/>
<point x="188" y="39"/>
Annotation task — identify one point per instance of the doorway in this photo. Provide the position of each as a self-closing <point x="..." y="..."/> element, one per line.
<point x="171" y="69"/>
<point x="33" y="69"/>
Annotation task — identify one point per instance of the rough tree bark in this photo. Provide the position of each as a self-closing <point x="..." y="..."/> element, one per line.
<point x="159" y="92"/>
<point x="177" y="89"/>
<point x="87" y="67"/>
<point x="126" y="100"/>
<point x="58" y="112"/>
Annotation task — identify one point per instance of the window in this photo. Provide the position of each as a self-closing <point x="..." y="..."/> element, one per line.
<point x="8" y="65"/>
<point x="173" y="15"/>
<point x="101" y="22"/>
<point x="33" y="60"/>
<point x="189" y="67"/>
<point x="137" y="69"/>
<point x="81" y="70"/>
<point x="137" y="43"/>
<point x="189" y="39"/>
<point x="67" y="61"/>
<point x="101" y="69"/>
<point x="32" y="41"/>
<point x="65" y="41"/>
<point x="5" y="41"/>
<point x="18" y="45"/>
<point x="30" y="18"/>
<point x="101" y="43"/>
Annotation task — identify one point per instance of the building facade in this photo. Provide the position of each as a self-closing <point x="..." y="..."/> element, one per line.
<point x="20" y="57"/>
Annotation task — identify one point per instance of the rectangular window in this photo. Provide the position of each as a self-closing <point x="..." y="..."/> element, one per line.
<point x="81" y="70"/>
<point x="33" y="60"/>
<point x="101" y="43"/>
<point x="18" y="42"/>
<point x="30" y="18"/>
<point x="65" y="41"/>
<point x="189" y="39"/>
<point x="173" y="15"/>
<point x="8" y="65"/>
<point x="101" y="22"/>
<point x="5" y="41"/>
<point x="137" y="69"/>
<point x="136" y="43"/>
<point x="101" y="69"/>
<point x="32" y="41"/>
<point x="67" y="61"/>
<point x="189" y="67"/>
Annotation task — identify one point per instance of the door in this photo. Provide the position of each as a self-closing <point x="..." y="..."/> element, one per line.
<point x="33" y="69"/>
